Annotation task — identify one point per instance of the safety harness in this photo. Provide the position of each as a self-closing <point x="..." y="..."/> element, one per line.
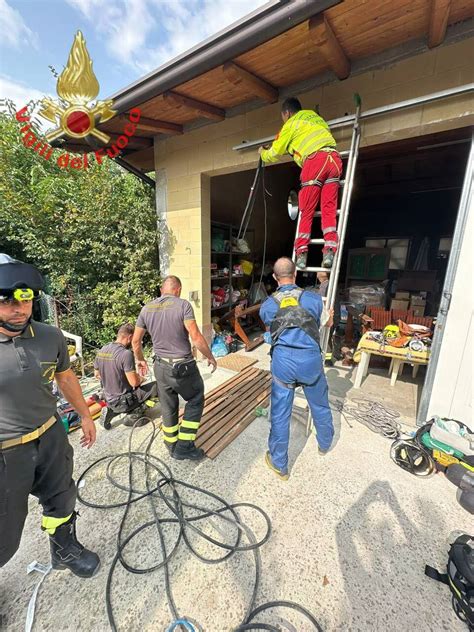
<point x="291" y="315"/>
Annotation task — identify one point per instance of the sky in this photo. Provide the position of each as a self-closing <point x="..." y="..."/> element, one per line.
<point x="126" y="39"/>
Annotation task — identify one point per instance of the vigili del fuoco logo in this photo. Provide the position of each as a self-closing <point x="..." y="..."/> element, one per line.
<point x="74" y="115"/>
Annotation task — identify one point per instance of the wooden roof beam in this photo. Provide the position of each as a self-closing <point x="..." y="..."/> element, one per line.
<point x="438" y="22"/>
<point x="253" y="84"/>
<point x="329" y="46"/>
<point x="135" y="141"/>
<point x="204" y="109"/>
<point x="154" y="125"/>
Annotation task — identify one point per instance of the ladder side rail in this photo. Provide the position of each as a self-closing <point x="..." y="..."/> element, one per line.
<point x="343" y="219"/>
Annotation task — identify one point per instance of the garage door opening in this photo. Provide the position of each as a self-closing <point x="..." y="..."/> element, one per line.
<point x="399" y="236"/>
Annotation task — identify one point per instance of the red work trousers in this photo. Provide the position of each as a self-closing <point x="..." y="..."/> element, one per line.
<point x="324" y="168"/>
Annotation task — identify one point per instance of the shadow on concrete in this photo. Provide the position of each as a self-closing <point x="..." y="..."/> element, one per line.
<point x="382" y="554"/>
<point x="338" y="386"/>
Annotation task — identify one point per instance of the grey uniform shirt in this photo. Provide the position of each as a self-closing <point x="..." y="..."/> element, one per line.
<point x="164" y="319"/>
<point x="28" y="363"/>
<point x="112" y="362"/>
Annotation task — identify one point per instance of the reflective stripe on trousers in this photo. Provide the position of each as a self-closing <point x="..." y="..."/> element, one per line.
<point x="326" y="168"/>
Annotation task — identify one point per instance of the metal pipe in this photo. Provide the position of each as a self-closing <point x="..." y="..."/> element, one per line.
<point x="344" y="121"/>
<point x="459" y="230"/>
<point x="269" y="21"/>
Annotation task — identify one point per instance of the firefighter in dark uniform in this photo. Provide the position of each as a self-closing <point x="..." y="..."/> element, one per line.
<point x="170" y="322"/>
<point x="293" y="317"/>
<point x="124" y="390"/>
<point x="35" y="455"/>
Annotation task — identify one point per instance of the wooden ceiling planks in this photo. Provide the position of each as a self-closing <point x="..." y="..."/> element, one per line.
<point x="213" y="88"/>
<point x="460" y="10"/>
<point x="362" y="28"/>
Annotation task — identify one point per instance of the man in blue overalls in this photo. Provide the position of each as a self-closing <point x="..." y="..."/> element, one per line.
<point x="292" y="316"/>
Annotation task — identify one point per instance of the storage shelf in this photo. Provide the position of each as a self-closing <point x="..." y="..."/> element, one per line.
<point x="233" y="276"/>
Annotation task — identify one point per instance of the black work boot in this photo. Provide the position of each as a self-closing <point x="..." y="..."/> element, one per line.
<point x="136" y="418"/>
<point x="170" y="446"/>
<point x="187" y="450"/>
<point x="67" y="552"/>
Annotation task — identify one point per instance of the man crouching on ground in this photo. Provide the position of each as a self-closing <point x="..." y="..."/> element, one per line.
<point x="293" y="317"/>
<point x="124" y="390"/>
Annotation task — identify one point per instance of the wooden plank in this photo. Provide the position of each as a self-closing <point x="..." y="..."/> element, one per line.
<point x="239" y="394"/>
<point x="439" y="16"/>
<point x="236" y="391"/>
<point x="227" y="413"/>
<point x="226" y="386"/>
<point x="229" y="436"/>
<point x="199" y="107"/>
<point x="251" y="84"/>
<point x="227" y="424"/>
<point x="213" y="411"/>
<point x="329" y="46"/>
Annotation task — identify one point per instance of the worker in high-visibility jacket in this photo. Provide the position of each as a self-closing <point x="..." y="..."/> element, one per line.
<point x="306" y="137"/>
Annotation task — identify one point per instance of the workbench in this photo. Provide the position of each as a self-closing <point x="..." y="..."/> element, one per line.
<point x="399" y="356"/>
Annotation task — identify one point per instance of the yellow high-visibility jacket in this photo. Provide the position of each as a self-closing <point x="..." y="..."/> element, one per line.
<point x="303" y="133"/>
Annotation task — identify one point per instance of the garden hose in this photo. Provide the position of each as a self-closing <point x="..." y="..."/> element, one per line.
<point x="164" y="493"/>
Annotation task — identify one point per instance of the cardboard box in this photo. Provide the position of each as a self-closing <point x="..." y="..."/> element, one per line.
<point x="418" y="310"/>
<point x="417" y="301"/>
<point x="402" y="296"/>
<point x="399" y="304"/>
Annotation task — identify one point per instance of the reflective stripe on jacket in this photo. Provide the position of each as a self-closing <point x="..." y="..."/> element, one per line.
<point x="303" y="133"/>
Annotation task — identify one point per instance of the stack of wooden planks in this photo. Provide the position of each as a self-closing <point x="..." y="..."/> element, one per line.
<point x="230" y="408"/>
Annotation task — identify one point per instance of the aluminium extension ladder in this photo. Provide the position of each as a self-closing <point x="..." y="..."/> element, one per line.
<point x="347" y="185"/>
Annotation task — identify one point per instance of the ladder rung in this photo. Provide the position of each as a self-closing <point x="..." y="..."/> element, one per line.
<point x="342" y="183"/>
<point x="328" y="270"/>
<point x="315" y="242"/>
<point x="345" y="153"/>
<point x="318" y="213"/>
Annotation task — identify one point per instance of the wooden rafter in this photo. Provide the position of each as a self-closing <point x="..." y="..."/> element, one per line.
<point x="329" y="46"/>
<point x="256" y="86"/>
<point x="154" y="125"/>
<point x="438" y="21"/>
<point x="136" y="141"/>
<point x="204" y="109"/>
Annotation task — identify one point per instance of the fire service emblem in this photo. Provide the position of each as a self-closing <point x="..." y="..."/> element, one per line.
<point x="77" y="86"/>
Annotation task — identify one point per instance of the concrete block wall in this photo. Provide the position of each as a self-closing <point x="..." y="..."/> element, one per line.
<point x="191" y="159"/>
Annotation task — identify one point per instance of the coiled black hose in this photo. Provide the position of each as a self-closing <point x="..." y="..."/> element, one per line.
<point x="161" y="484"/>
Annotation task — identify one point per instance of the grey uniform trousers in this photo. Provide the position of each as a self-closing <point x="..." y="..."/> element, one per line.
<point x="42" y="468"/>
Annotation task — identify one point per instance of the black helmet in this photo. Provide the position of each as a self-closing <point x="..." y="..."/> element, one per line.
<point x="16" y="274"/>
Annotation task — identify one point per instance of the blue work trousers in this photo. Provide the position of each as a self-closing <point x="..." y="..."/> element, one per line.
<point x="305" y="367"/>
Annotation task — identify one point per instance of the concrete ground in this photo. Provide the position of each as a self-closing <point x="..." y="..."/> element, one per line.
<point x="351" y="534"/>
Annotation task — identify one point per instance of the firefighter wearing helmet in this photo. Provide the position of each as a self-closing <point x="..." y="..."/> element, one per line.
<point x="35" y="455"/>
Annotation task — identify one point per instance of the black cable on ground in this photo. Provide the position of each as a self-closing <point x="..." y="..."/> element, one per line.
<point x="163" y="493"/>
<point x="372" y="414"/>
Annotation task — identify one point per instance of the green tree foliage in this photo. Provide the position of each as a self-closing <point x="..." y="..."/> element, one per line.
<point x="93" y="233"/>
